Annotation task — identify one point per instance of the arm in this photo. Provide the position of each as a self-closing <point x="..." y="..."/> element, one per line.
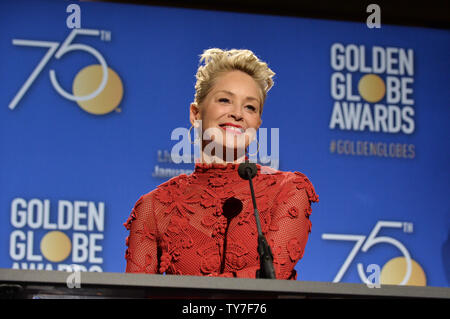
<point x="287" y="226"/>
<point x="290" y="225"/>
<point x="142" y="251"/>
<point x="291" y="220"/>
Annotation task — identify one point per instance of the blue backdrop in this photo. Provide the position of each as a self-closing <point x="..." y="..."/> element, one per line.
<point x="69" y="178"/>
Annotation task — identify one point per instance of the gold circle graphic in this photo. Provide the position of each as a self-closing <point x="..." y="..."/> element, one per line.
<point x="88" y="80"/>
<point x="372" y="88"/>
<point x="395" y="269"/>
<point x="56" y="246"/>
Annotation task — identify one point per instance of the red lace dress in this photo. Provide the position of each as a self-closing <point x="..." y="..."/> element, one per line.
<point x="179" y="228"/>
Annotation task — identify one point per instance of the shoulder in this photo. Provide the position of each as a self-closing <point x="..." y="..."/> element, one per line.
<point x="180" y="188"/>
<point x="162" y="191"/>
<point x="291" y="180"/>
<point x="142" y="204"/>
<point x="175" y="181"/>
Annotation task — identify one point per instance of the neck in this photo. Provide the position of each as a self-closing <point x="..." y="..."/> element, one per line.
<point x="228" y="156"/>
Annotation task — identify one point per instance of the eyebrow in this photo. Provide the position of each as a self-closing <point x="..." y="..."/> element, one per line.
<point x="232" y="94"/>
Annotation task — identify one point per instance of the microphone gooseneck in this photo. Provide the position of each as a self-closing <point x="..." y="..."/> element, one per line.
<point x="247" y="171"/>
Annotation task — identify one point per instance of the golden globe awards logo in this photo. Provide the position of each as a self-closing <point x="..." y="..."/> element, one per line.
<point x="96" y="88"/>
<point x="63" y="237"/>
<point x="372" y="90"/>
<point x="402" y="270"/>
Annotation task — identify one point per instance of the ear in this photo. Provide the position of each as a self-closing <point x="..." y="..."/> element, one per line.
<point x="194" y="113"/>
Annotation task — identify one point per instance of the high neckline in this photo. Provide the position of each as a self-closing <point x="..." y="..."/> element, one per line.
<point x="218" y="173"/>
<point x="219" y="168"/>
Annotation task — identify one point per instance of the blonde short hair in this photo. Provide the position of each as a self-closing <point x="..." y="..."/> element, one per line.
<point x="218" y="61"/>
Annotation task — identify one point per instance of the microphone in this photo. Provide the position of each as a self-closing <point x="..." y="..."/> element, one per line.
<point x="230" y="209"/>
<point x="247" y="171"/>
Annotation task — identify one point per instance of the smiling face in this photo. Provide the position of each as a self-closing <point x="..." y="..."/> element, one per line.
<point x="232" y="107"/>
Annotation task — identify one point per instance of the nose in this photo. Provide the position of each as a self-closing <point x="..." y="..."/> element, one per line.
<point x="236" y="113"/>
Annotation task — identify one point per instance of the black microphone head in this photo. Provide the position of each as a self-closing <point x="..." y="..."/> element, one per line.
<point x="232" y="207"/>
<point x="247" y="167"/>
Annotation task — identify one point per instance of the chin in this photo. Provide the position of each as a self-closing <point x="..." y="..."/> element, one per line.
<point x="237" y="143"/>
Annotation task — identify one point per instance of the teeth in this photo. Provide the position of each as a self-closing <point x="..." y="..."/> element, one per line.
<point x="236" y="129"/>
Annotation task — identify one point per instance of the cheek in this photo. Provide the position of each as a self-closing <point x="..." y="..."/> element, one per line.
<point x="254" y="122"/>
<point x="207" y="123"/>
<point x="207" y="113"/>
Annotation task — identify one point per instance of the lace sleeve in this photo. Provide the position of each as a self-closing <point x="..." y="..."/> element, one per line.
<point x="142" y="251"/>
<point x="290" y="224"/>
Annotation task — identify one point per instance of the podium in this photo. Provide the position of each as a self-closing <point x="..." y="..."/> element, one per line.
<point x="41" y="284"/>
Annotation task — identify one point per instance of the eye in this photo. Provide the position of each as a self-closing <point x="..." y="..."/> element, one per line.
<point x="251" y="107"/>
<point x="224" y="100"/>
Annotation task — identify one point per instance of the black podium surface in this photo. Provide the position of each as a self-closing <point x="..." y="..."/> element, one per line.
<point x="58" y="284"/>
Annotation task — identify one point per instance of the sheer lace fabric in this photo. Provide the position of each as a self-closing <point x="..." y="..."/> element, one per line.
<point x="179" y="227"/>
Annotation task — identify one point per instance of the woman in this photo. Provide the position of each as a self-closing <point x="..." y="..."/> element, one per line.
<point x="181" y="227"/>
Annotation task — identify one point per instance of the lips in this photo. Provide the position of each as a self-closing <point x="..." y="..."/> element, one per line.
<point x="232" y="128"/>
